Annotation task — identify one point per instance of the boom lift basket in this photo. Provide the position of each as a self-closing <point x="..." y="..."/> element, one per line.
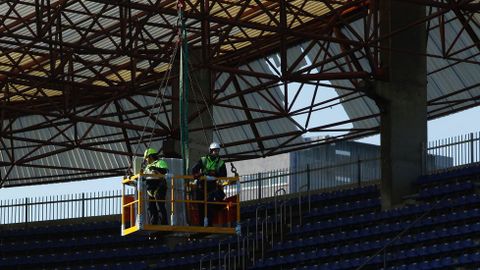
<point x="182" y="208"/>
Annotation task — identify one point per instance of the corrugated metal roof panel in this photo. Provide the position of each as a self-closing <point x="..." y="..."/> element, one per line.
<point x="254" y="101"/>
<point x="441" y="82"/>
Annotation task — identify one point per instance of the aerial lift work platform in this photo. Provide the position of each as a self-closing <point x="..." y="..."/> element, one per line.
<point x="183" y="209"/>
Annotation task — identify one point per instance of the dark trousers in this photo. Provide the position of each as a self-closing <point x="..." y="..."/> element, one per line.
<point x="213" y="195"/>
<point x="157" y="209"/>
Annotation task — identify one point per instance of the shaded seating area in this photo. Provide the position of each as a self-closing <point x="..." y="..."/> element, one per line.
<point x="339" y="229"/>
<point x="439" y="231"/>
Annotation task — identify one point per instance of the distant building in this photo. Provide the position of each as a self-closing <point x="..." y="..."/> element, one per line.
<point x="334" y="164"/>
<point x="318" y="167"/>
<point x="251" y="166"/>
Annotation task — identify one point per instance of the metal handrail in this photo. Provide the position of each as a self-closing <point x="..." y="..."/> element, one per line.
<point x="283" y="218"/>
<point x="201" y="260"/>
<point x="225" y="256"/>
<point x="275" y="203"/>
<point x="245" y="250"/>
<point x="265" y="234"/>
<point x="220" y="252"/>
<point x="256" y="219"/>
<point x="264" y="227"/>
<point x="300" y="212"/>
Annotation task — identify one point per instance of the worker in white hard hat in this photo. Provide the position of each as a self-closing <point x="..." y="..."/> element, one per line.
<point x="209" y="165"/>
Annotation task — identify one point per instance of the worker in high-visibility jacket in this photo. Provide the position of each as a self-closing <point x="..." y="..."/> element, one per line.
<point x="209" y="165"/>
<point x="156" y="186"/>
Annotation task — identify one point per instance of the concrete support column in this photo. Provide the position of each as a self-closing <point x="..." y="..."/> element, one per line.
<point x="402" y="98"/>
<point x="171" y="146"/>
<point x="403" y="132"/>
<point x="200" y="93"/>
<point x="201" y="88"/>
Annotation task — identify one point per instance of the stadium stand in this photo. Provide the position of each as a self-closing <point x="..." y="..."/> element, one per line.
<point x="344" y="229"/>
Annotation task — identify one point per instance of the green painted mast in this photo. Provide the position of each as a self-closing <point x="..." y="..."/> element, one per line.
<point x="183" y="88"/>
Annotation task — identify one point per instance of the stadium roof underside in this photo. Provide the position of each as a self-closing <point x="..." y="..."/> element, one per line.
<point x="79" y="80"/>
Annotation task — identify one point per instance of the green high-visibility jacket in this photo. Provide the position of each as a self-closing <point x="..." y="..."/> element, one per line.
<point x="211" y="166"/>
<point x="156" y="166"/>
<point x="154" y="185"/>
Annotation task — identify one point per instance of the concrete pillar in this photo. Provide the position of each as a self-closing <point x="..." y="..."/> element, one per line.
<point x="402" y="98"/>
<point x="200" y="89"/>
<point x="171" y="146"/>
<point x="403" y="131"/>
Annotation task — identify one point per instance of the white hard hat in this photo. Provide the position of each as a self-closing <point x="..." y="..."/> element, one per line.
<point x="214" y="145"/>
